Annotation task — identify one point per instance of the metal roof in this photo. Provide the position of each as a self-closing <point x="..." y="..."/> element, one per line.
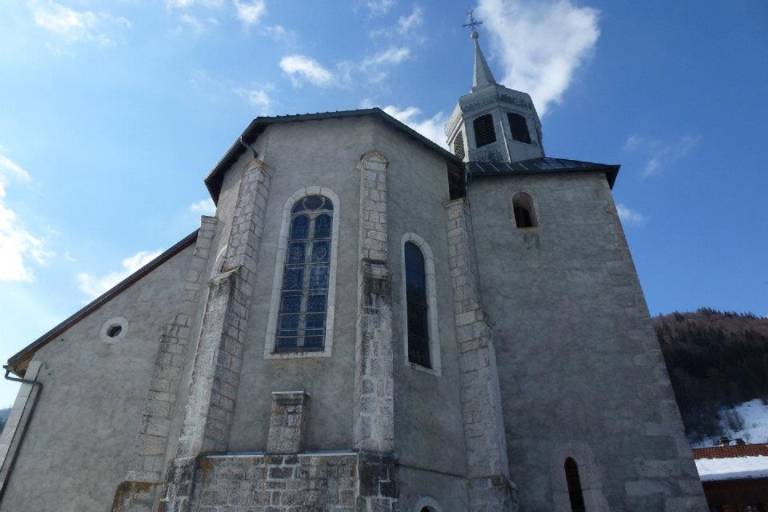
<point x="538" y="166"/>
<point x="258" y="125"/>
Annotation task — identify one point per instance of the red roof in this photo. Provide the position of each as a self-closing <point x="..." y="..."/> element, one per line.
<point x="731" y="451"/>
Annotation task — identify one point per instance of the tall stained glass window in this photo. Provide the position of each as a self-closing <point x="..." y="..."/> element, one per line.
<point x="417" y="306"/>
<point x="304" y="292"/>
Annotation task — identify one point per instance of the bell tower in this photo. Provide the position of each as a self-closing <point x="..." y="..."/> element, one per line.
<point x="493" y="123"/>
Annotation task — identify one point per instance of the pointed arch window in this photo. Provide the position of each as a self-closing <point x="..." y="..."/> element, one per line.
<point x="575" y="493"/>
<point x="302" y="316"/>
<point x="523" y="210"/>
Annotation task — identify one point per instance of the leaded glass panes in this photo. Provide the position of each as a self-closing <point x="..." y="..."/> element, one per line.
<point x="304" y="293"/>
<point x="417" y="308"/>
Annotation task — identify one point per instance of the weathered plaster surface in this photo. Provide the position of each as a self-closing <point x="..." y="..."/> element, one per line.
<point x="580" y="368"/>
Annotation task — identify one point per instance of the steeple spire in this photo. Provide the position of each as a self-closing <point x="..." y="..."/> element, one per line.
<point x="482" y="74"/>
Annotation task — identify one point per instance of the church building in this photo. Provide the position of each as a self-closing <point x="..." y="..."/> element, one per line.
<point x="368" y="323"/>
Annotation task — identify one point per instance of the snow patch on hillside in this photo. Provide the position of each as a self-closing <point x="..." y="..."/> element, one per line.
<point x="747" y="421"/>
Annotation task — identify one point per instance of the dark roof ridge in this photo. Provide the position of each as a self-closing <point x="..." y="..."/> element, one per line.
<point x="24" y="354"/>
<point x="214" y="179"/>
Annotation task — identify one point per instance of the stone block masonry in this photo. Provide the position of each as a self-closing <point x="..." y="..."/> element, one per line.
<point x="218" y="359"/>
<point x="276" y="483"/>
<point x="160" y="404"/>
<point x="374" y="356"/>
<point x="489" y="484"/>
<point x="286" y="422"/>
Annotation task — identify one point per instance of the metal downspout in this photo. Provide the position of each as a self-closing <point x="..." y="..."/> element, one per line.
<point x="10" y="464"/>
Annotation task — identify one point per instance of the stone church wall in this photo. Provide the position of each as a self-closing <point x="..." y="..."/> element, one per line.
<point x="581" y="372"/>
<point x="429" y="438"/>
<point x="300" y="155"/>
<point x="85" y="425"/>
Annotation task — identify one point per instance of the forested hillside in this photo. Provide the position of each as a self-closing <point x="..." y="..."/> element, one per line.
<point x="717" y="361"/>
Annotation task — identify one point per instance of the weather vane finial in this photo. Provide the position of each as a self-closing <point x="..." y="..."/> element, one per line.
<point x="472" y="22"/>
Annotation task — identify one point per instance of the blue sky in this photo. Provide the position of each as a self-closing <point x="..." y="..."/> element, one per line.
<point x="111" y="113"/>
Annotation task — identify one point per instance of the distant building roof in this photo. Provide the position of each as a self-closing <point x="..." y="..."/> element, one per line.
<point x="258" y="125"/>
<point x="732" y="462"/>
<point x="539" y="166"/>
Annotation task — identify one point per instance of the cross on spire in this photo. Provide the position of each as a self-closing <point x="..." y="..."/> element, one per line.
<point x="472" y="22"/>
<point x="482" y="75"/>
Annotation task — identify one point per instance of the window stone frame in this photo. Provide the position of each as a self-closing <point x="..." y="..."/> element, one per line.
<point x="282" y="247"/>
<point x="434" y="330"/>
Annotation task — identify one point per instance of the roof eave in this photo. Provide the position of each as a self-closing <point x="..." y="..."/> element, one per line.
<point x="17" y="362"/>
<point x="214" y="179"/>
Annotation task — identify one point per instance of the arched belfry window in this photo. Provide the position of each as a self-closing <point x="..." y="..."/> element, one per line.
<point x="574" y="486"/>
<point x="523" y="210"/>
<point x="301" y="322"/>
<point x="417" y="306"/>
<point x="484" y="131"/>
<point x="458" y="145"/>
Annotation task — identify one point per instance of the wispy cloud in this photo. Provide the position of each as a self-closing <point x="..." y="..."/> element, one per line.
<point x="257" y="97"/>
<point x="74" y="25"/>
<point x="186" y="4"/>
<point x="301" y="68"/>
<point x="19" y="248"/>
<point x="250" y="12"/>
<point x="392" y="55"/>
<point x="660" y="154"/>
<point x="407" y="23"/>
<point x="629" y="216"/>
<point x="430" y="127"/>
<point x="378" y="7"/>
<point x="93" y="286"/>
<point x="540" y="44"/>
<point x="203" y="207"/>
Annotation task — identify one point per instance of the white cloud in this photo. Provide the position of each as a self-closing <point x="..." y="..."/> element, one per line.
<point x="186" y="4"/>
<point x="540" y="44"/>
<point x="392" y="55"/>
<point x="301" y="67"/>
<point x="203" y="207"/>
<point x="76" y="25"/>
<point x="379" y="7"/>
<point x="660" y="154"/>
<point x="250" y="12"/>
<point x="431" y="128"/>
<point x="407" y="23"/>
<point x="93" y="286"/>
<point x="629" y="216"/>
<point x="257" y="97"/>
<point x="18" y="246"/>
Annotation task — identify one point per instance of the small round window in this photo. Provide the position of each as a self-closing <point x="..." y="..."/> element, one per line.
<point x="113" y="330"/>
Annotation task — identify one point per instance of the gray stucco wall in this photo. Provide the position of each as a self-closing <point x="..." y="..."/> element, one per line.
<point x="316" y="153"/>
<point x="326" y="153"/>
<point x="580" y="368"/>
<point x="428" y="420"/>
<point x="83" y="431"/>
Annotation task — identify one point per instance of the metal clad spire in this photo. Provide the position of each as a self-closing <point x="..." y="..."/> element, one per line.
<point x="482" y="74"/>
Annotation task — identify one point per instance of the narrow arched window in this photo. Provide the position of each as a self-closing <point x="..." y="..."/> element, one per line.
<point x="522" y="206"/>
<point x="574" y="486"/>
<point x="304" y="292"/>
<point x="484" y="132"/>
<point x="417" y="306"/>
<point x="518" y="127"/>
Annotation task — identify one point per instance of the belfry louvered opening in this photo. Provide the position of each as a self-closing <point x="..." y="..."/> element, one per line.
<point x="484" y="131"/>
